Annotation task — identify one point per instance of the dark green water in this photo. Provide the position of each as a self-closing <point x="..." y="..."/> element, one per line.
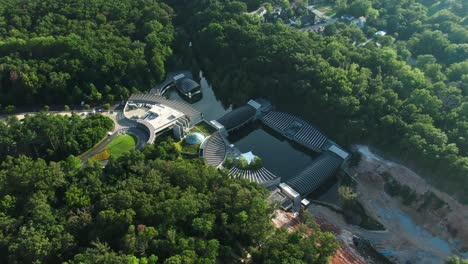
<point x="211" y="107"/>
<point x="283" y="158"/>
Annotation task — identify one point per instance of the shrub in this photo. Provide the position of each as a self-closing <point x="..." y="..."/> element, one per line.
<point x="242" y="163"/>
<point x="103" y="155"/>
<point x="229" y="163"/>
<point x="355" y="159"/>
<point x="256" y="163"/>
<point x="10" y="109"/>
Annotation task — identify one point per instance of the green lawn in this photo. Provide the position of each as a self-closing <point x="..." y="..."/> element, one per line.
<point x="204" y="128"/>
<point x="121" y="144"/>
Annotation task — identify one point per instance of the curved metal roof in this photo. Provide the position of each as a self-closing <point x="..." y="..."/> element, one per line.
<point x="186" y="85"/>
<point x="237" y="117"/>
<point x="315" y="174"/>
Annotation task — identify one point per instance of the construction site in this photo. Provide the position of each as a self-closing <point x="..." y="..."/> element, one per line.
<point x="416" y="232"/>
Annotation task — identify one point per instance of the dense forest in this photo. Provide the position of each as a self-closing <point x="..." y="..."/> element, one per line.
<point x="51" y="136"/>
<point x="405" y="92"/>
<point x="142" y="210"/>
<point x="72" y="51"/>
<point x="406" y="95"/>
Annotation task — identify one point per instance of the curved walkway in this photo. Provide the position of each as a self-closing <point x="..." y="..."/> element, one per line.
<point x="122" y="126"/>
<point x="214" y="150"/>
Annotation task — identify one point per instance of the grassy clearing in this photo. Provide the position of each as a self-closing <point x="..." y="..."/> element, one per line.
<point x="101" y="156"/>
<point x="121" y="144"/>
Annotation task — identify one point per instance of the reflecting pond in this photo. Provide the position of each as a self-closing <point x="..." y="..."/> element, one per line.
<point x="280" y="156"/>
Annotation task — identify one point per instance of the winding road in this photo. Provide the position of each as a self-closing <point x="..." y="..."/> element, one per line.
<point x="122" y="125"/>
<point x="138" y="133"/>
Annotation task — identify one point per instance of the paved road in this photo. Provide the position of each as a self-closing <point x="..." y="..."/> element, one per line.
<point x="99" y="148"/>
<point x="122" y="126"/>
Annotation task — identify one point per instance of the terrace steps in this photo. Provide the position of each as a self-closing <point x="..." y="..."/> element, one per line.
<point x="260" y="176"/>
<point x="295" y="129"/>
<point x="214" y="151"/>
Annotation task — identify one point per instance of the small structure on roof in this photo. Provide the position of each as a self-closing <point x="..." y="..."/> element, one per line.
<point x="294" y="197"/>
<point x="179" y="76"/>
<point x="339" y="151"/>
<point x="187" y="86"/>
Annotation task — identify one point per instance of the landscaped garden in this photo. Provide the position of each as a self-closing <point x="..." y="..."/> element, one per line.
<point x="205" y="128"/>
<point x="183" y="146"/>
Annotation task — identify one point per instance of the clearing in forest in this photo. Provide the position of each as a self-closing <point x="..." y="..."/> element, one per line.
<point x="117" y="147"/>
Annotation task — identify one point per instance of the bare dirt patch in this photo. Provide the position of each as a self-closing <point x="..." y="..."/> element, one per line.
<point x="448" y="224"/>
<point x="452" y="216"/>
